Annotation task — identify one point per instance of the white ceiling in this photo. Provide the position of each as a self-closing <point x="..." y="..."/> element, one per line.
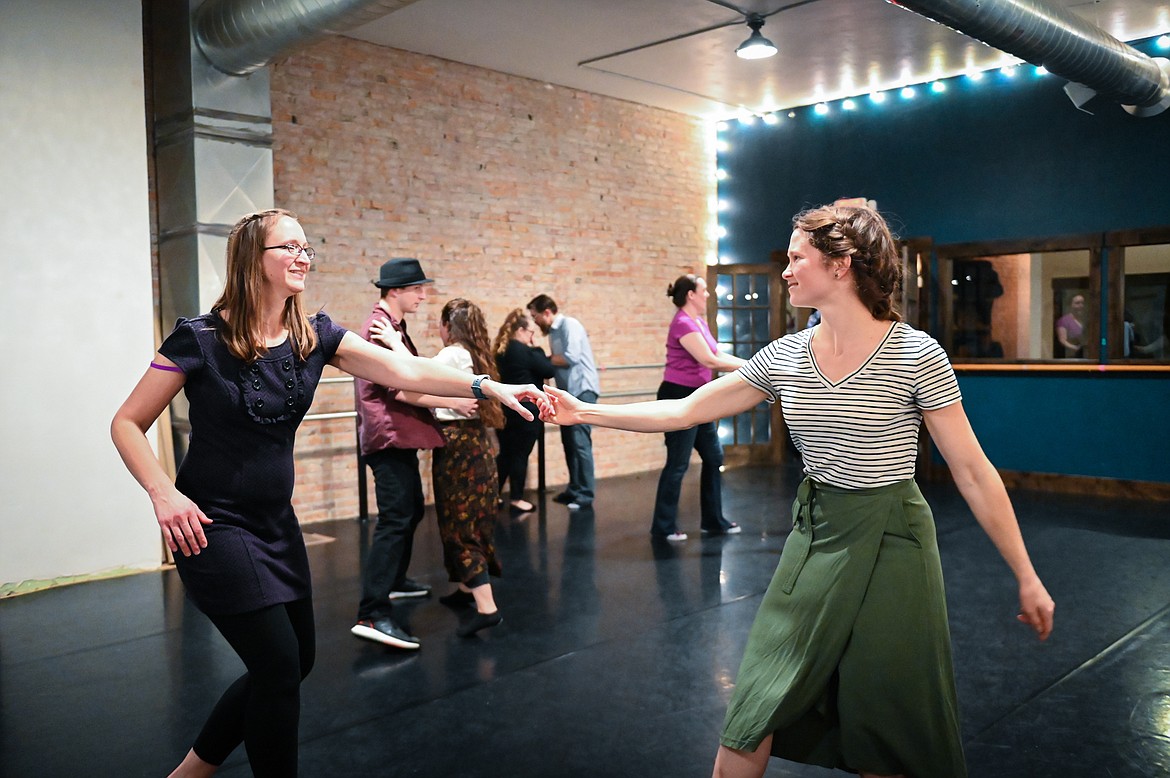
<point x="663" y="53"/>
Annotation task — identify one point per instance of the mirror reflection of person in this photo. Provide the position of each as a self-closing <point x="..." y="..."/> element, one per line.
<point x="848" y="662"/>
<point x="1070" y="328"/>
<point x="1134" y="345"/>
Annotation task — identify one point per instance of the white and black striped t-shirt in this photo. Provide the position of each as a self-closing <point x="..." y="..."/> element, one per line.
<point x="862" y="431"/>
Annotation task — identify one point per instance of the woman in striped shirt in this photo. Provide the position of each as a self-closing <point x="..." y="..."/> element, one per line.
<point x="848" y="662"/>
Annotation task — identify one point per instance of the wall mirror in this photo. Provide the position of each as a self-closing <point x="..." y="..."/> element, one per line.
<point x="1139" y="322"/>
<point x="1025" y="302"/>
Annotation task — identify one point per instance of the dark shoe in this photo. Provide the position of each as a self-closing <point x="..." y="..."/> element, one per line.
<point x="479" y="621"/>
<point x="579" y="506"/>
<point x="564" y="498"/>
<point x="731" y="529"/>
<point x="383" y="630"/>
<point x="410" y="588"/>
<point x="458" y="599"/>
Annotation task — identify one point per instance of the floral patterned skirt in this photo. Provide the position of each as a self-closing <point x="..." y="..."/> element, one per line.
<point x="466" y="489"/>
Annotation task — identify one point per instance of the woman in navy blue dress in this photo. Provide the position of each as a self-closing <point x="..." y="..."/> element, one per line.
<point x="249" y="369"/>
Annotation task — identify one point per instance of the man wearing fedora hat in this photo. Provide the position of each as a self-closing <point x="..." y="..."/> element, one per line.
<point x="392" y="427"/>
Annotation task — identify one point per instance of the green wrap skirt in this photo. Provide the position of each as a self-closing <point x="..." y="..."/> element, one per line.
<point x="848" y="663"/>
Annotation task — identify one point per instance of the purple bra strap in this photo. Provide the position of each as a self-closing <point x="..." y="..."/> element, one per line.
<point x="169" y="368"/>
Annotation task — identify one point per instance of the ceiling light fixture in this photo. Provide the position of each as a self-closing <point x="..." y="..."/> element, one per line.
<point x="756" y="46"/>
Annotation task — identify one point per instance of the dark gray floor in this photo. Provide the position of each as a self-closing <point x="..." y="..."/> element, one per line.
<point x="616" y="656"/>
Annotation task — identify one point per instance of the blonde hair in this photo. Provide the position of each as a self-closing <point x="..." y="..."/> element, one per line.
<point x="242" y="332"/>
<point x="516" y="320"/>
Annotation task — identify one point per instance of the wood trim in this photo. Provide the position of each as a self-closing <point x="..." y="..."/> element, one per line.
<point x="1022" y="246"/>
<point x="1092" y="335"/>
<point x="1116" y="308"/>
<point x="1139" y="237"/>
<point x="1079" y="484"/>
<point x="1118" y="488"/>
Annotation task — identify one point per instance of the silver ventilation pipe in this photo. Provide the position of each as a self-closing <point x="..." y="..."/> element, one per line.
<point x="240" y="37"/>
<point x="1094" y="62"/>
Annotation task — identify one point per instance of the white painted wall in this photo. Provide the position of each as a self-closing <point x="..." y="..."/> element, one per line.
<point x="75" y="286"/>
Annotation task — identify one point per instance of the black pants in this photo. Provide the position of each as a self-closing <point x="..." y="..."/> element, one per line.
<point x="516" y="441"/>
<point x="398" y="490"/>
<point x="703" y="438"/>
<point x="262" y="708"/>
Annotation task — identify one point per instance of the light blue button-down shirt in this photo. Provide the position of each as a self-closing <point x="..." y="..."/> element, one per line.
<point x="567" y="337"/>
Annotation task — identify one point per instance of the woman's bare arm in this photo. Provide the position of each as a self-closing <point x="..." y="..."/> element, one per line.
<point x="983" y="489"/>
<point x="722" y="397"/>
<point x="363" y="359"/>
<point x="180" y="519"/>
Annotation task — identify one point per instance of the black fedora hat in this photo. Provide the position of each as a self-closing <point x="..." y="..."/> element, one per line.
<point x="399" y="272"/>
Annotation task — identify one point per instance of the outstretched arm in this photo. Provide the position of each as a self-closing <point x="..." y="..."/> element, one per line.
<point x="180" y="519"/>
<point x="415" y="374"/>
<point x="722" y="397"/>
<point x="983" y="489"/>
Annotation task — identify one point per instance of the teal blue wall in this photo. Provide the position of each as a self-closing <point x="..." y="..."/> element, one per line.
<point x="1097" y="424"/>
<point x="1005" y="158"/>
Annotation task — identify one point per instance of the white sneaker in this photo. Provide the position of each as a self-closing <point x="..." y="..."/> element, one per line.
<point x="677" y="536"/>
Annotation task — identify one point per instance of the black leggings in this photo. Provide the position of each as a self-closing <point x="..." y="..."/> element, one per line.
<point x="516" y="441"/>
<point x="262" y="707"/>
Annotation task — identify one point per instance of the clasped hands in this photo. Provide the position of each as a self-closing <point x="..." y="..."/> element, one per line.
<point x="560" y="407"/>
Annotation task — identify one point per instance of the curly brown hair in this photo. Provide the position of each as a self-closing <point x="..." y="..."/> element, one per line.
<point x="862" y="235"/>
<point x="466" y="326"/>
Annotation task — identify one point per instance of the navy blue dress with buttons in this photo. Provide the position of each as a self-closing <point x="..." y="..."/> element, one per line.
<point x="239" y="464"/>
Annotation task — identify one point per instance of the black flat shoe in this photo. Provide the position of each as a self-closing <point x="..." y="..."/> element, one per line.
<point x="479" y="621"/>
<point x="458" y="599"/>
<point x="410" y="589"/>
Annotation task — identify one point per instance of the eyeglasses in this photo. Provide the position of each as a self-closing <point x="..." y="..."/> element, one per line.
<point x="308" y="253"/>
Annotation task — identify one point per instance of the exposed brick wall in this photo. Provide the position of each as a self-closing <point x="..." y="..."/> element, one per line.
<point x="504" y="188"/>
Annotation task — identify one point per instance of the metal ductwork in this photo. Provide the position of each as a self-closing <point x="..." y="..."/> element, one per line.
<point x="240" y="37"/>
<point x="1094" y="62"/>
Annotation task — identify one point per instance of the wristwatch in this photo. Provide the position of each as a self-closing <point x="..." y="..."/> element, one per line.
<point x="479" y="379"/>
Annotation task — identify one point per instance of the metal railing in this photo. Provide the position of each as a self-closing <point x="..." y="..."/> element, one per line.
<point x="363" y="483"/>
